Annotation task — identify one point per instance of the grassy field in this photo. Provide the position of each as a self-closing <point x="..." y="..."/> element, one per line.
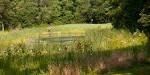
<point x="92" y="55"/>
<point x="8" y="38"/>
<point x="70" y="27"/>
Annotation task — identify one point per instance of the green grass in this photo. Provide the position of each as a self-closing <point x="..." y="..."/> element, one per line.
<point x="114" y="39"/>
<point x="82" y="27"/>
<point x="138" y="69"/>
<point x="101" y="44"/>
<point x="8" y="38"/>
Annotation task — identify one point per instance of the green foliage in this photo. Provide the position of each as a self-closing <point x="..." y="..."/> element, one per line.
<point x="91" y="55"/>
<point x="145" y="18"/>
<point x="26" y="13"/>
<point x="130" y="14"/>
<point x="126" y="13"/>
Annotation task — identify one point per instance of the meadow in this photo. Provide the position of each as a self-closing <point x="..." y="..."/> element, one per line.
<point x="8" y="38"/>
<point x="102" y="50"/>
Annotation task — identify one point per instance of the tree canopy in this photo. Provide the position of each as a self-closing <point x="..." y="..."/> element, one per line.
<point x="127" y="14"/>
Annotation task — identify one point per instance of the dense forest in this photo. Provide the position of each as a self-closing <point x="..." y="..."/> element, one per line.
<point x="128" y="14"/>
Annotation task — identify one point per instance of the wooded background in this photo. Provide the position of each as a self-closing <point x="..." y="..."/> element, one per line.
<point x="127" y="14"/>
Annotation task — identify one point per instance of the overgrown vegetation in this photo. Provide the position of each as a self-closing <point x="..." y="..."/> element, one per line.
<point x="83" y="46"/>
<point x="93" y="55"/>
<point x="8" y="38"/>
<point x="25" y="13"/>
<point x="131" y="15"/>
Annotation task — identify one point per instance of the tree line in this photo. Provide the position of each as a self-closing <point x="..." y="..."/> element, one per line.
<point x="131" y="14"/>
<point x="25" y="13"/>
<point x="127" y="14"/>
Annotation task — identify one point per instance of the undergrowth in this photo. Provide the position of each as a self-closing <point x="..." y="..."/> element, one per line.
<point x="100" y="52"/>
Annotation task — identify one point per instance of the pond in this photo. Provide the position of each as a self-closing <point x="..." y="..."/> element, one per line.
<point x="61" y="38"/>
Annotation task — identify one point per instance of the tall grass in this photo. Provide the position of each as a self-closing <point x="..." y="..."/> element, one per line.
<point x="8" y="38"/>
<point x="100" y="52"/>
<point x="114" y="39"/>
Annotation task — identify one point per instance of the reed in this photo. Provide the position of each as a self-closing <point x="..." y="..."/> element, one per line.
<point x="101" y="51"/>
